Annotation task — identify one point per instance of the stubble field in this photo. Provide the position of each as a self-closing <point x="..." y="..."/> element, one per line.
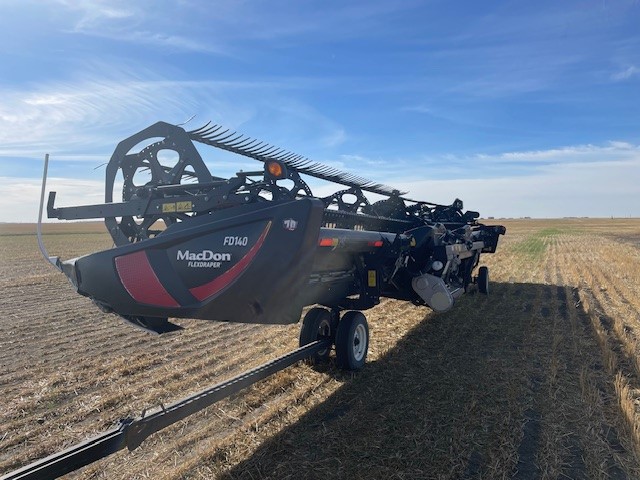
<point x="541" y="379"/>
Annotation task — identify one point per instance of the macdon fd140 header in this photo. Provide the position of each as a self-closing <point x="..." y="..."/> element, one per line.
<point x="259" y="246"/>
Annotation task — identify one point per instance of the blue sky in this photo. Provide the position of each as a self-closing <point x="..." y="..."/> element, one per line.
<point x="519" y="108"/>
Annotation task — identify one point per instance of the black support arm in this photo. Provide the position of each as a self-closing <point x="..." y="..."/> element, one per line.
<point x="132" y="432"/>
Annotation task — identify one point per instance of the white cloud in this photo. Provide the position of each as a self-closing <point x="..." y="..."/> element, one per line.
<point x="582" y="153"/>
<point x="94" y="16"/>
<point x="174" y="41"/>
<point x="220" y="27"/>
<point x="156" y="39"/>
<point x="597" y="189"/>
<point x="21" y="196"/>
<point x="625" y="74"/>
<point x="91" y="115"/>
<point x="140" y="22"/>
<point x="355" y="160"/>
<point x="335" y="138"/>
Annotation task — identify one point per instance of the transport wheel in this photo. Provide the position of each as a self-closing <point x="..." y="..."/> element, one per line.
<point x="316" y="325"/>
<point x="352" y="341"/>
<point x="483" y="280"/>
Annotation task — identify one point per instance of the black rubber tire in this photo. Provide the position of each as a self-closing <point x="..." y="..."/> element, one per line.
<point x="352" y="341"/>
<point x="483" y="280"/>
<point x="315" y="326"/>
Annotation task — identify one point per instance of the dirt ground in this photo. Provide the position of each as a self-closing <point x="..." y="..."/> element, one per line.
<point x="538" y="380"/>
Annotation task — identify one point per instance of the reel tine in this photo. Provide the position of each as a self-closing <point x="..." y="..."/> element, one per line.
<point x="231" y="142"/>
<point x="246" y="146"/>
<point x="243" y="140"/>
<point x="206" y="133"/>
<point x="214" y="130"/>
<point x="268" y="151"/>
<point x="320" y="171"/>
<point x="281" y="156"/>
<point x="301" y="162"/>
<point x="296" y="166"/>
<point x="255" y="148"/>
<point x="235" y="142"/>
<point x="223" y="139"/>
<point x="200" y="129"/>
<point x="262" y="150"/>
<point x="288" y="157"/>
<point x="215" y="135"/>
<point x="277" y="155"/>
<point x="348" y="178"/>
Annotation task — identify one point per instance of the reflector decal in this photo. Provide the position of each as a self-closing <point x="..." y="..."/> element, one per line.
<point x="211" y="288"/>
<point x="328" y="242"/>
<point x="139" y="279"/>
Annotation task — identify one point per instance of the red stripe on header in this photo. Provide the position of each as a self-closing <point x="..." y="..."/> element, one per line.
<point x="141" y="282"/>
<point x="214" y="286"/>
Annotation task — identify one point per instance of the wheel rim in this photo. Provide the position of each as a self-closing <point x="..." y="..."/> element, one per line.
<point x="359" y="342"/>
<point x="324" y="332"/>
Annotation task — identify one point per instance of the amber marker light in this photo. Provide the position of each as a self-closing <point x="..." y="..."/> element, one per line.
<point x="275" y="169"/>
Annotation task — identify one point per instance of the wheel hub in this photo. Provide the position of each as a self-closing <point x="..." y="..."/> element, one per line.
<point x="359" y="342"/>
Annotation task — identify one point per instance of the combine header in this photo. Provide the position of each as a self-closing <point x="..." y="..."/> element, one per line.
<point x="257" y="248"/>
<point x="191" y="245"/>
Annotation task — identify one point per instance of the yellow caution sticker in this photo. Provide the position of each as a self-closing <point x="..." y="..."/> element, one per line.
<point x="372" y="278"/>
<point x="177" y="207"/>
<point x="184" y="206"/>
